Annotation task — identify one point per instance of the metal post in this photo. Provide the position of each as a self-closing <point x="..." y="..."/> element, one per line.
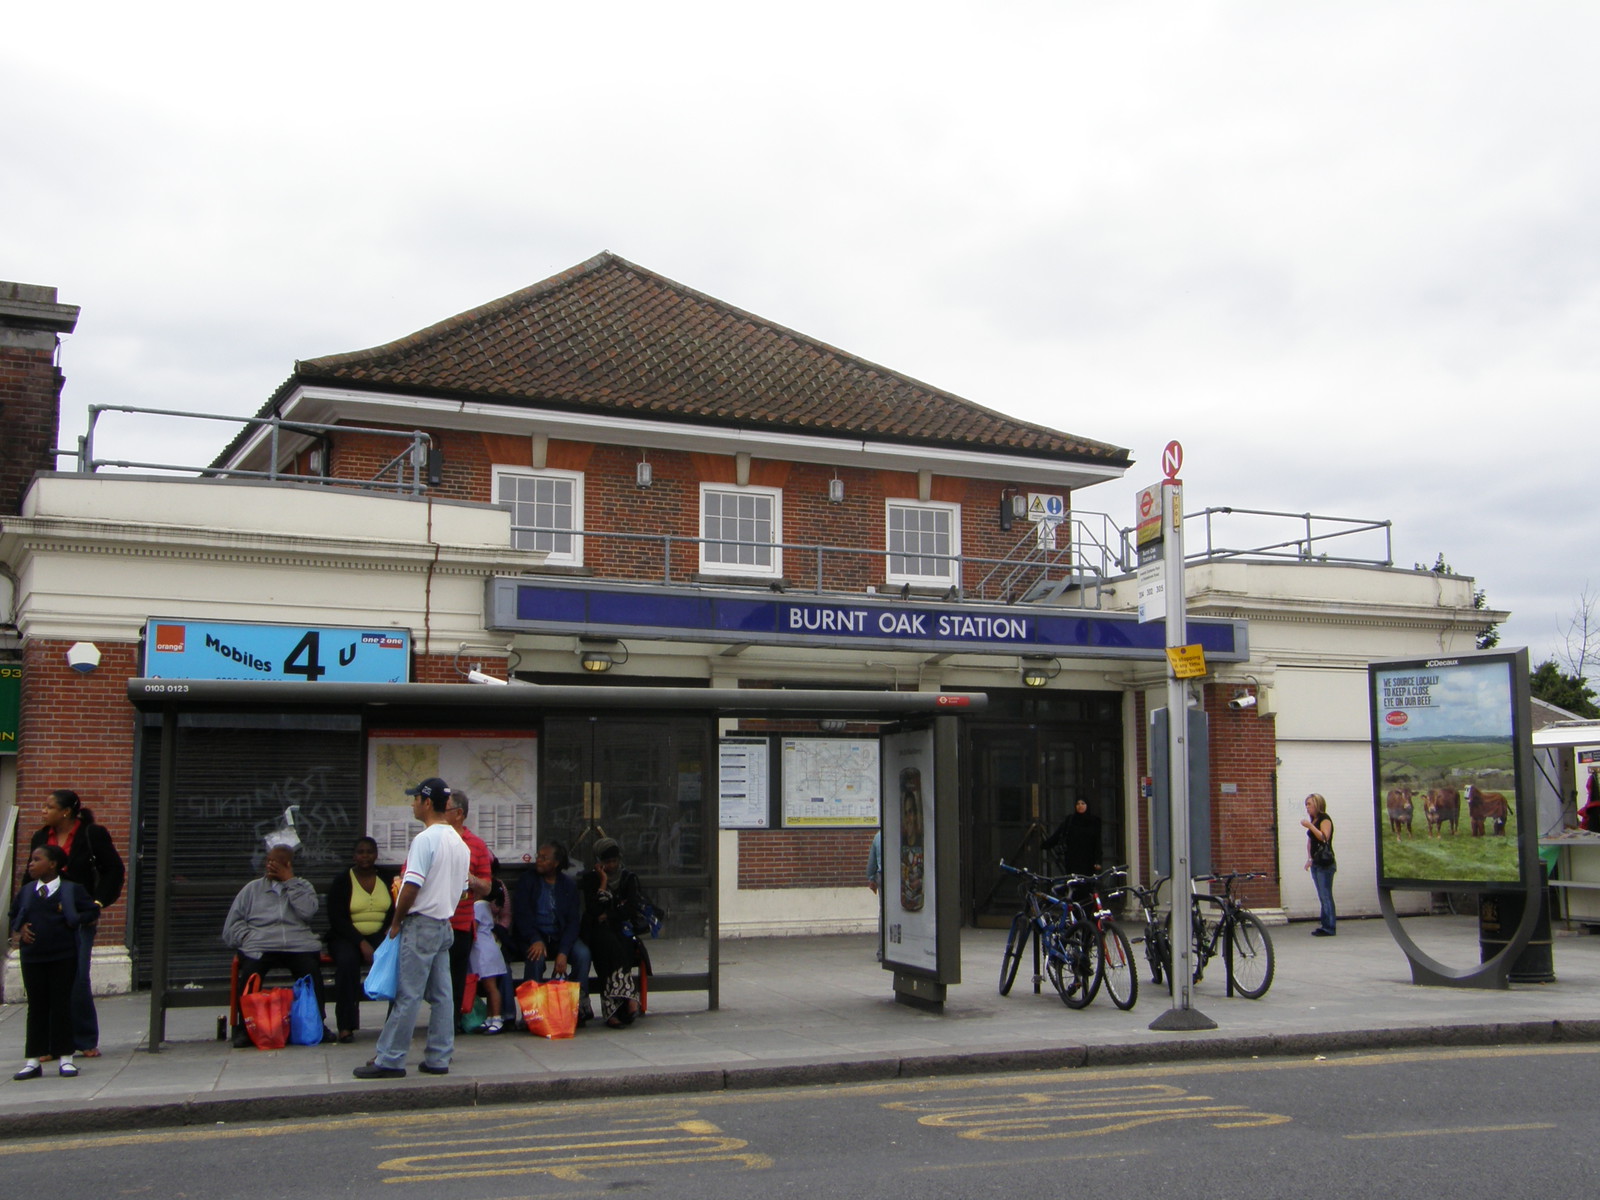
<point x="1182" y="1014"/>
<point x="164" y="838"/>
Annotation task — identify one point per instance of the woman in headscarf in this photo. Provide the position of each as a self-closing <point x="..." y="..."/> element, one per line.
<point x="611" y="903"/>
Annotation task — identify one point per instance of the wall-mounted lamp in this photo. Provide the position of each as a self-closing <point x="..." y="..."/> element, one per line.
<point x="832" y="725"/>
<point x="642" y="475"/>
<point x="428" y="459"/>
<point x="1013" y="507"/>
<point x="835" y="490"/>
<point x="601" y="655"/>
<point x="83" y="657"/>
<point x="1039" y="669"/>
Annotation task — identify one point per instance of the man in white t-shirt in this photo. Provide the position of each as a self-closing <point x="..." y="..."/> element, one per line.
<point x="435" y="876"/>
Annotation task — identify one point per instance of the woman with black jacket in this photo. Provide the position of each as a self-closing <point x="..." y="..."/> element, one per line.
<point x="359" y="907"/>
<point x="94" y="864"/>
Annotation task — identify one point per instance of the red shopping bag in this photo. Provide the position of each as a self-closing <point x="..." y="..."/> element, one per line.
<point x="550" y="1008"/>
<point x="266" y="1013"/>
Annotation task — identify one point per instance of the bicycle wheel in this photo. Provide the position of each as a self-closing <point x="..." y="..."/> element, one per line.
<point x="1016" y="945"/>
<point x="1074" y="965"/>
<point x="1117" y="967"/>
<point x="1197" y="950"/>
<point x="1158" y="951"/>
<point x="1249" y="952"/>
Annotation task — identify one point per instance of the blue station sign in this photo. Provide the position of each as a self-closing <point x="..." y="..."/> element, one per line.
<point x="525" y="606"/>
<point x="177" y="649"/>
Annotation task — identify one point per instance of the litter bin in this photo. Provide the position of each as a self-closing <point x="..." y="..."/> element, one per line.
<point x="1499" y="914"/>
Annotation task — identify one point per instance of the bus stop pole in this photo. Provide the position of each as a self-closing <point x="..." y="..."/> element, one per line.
<point x="1182" y="1015"/>
<point x="164" y="835"/>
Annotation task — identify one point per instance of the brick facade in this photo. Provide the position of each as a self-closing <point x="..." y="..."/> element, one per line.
<point x="670" y="507"/>
<point x="1244" y="823"/>
<point x="77" y="732"/>
<point x="803" y="858"/>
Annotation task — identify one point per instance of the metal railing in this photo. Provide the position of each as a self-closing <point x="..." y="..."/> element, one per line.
<point x="410" y="467"/>
<point x="1310" y="542"/>
<point x="1007" y="580"/>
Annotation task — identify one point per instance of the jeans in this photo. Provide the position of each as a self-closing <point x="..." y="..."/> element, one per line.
<point x="85" y="1021"/>
<point x="578" y="963"/>
<point x="1322" y="878"/>
<point x="424" y="974"/>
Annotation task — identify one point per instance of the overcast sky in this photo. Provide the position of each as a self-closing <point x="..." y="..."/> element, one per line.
<point x="1347" y="253"/>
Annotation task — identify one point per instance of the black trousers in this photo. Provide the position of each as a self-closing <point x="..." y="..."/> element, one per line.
<point x="460" y="961"/>
<point x="49" y="986"/>
<point x="348" y="964"/>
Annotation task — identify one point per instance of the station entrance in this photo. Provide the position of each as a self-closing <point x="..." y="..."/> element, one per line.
<point x="1028" y="759"/>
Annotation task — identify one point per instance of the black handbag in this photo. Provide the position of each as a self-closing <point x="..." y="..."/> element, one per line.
<point x="1322" y="853"/>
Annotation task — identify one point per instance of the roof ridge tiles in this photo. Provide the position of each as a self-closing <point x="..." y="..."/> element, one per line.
<point x="608" y="334"/>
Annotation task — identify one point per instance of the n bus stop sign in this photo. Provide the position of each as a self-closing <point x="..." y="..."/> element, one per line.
<point x="1172" y="461"/>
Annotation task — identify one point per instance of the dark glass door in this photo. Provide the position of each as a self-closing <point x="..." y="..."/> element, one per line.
<point x="1023" y="780"/>
<point x="644" y="782"/>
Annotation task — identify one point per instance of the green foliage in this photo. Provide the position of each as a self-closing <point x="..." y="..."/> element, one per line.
<point x="1552" y="685"/>
<point x="1489" y="638"/>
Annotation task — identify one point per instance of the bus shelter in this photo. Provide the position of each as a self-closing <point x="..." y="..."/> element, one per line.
<point x="220" y="765"/>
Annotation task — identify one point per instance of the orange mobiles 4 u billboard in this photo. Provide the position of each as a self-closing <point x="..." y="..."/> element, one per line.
<point x="1448" y="792"/>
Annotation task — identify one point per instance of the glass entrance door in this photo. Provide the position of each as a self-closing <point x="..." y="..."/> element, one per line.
<point x="642" y="781"/>
<point x="1023" y="781"/>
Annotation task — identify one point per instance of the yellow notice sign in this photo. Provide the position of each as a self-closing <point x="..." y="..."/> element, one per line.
<point x="1188" y="662"/>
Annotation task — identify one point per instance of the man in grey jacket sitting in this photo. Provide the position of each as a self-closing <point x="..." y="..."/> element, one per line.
<point x="270" y="926"/>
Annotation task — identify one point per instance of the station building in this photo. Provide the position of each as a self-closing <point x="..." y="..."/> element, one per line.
<point x="610" y="479"/>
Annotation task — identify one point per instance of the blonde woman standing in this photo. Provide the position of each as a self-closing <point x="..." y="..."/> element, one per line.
<point x="1320" y="861"/>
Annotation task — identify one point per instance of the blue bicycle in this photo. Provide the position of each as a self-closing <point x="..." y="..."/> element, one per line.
<point x="1066" y="942"/>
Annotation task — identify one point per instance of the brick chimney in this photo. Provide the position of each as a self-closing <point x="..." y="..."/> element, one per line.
<point x="31" y="325"/>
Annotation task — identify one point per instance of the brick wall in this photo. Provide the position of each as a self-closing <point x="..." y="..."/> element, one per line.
<point x="613" y="503"/>
<point x="1244" y="747"/>
<point x="77" y="732"/>
<point x="803" y="858"/>
<point x="30" y="391"/>
<point x="1243" y="823"/>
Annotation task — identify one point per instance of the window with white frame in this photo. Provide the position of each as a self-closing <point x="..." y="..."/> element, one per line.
<point x="922" y="539"/>
<point x="742" y="527"/>
<point x="547" y="510"/>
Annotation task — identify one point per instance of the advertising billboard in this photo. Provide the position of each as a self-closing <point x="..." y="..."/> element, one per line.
<point x="179" y="649"/>
<point x="1447" y="789"/>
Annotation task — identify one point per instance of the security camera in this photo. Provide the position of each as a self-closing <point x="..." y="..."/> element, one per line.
<point x="1241" y="702"/>
<point x="83" y="656"/>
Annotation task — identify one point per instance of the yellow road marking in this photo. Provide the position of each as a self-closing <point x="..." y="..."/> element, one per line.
<point x="1022" y="1162"/>
<point x="510" y="1117"/>
<point x="1409" y="1133"/>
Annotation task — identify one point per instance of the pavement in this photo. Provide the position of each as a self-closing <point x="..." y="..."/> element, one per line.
<point x="818" y="1011"/>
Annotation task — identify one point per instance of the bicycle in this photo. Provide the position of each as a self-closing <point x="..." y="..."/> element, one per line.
<point x="1116" y="965"/>
<point x="1063" y="935"/>
<point x="1228" y="928"/>
<point x="1157" y="946"/>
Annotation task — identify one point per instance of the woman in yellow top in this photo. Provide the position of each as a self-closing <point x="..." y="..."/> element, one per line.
<point x="359" y="903"/>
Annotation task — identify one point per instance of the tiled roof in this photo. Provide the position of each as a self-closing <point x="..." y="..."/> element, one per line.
<point x="611" y="336"/>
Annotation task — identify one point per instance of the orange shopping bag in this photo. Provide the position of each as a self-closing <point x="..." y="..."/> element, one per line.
<point x="266" y="1013"/>
<point x="550" y="1008"/>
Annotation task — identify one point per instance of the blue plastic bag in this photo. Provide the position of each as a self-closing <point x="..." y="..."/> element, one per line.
<point x="383" y="976"/>
<point x="305" y="1018"/>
